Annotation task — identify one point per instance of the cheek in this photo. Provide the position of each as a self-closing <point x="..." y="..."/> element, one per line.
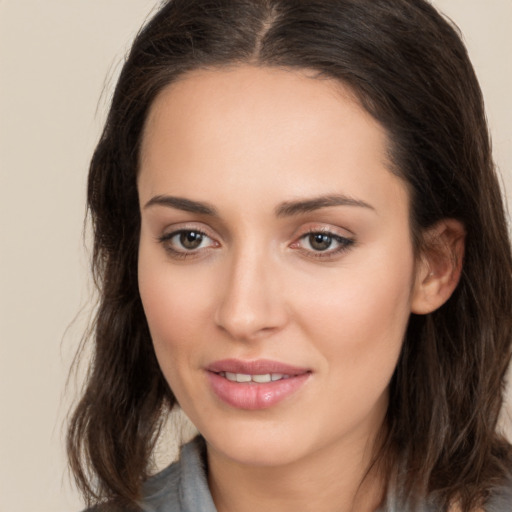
<point x="359" y="318"/>
<point x="164" y="304"/>
<point x="175" y="304"/>
<point x="174" y="311"/>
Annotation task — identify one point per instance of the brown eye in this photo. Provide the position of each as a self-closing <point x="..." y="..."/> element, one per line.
<point x="320" y="241"/>
<point x="323" y="244"/>
<point x="190" y="239"/>
<point x="185" y="242"/>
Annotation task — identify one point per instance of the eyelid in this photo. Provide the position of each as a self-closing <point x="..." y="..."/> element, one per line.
<point x="175" y="230"/>
<point x="328" y="229"/>
<point x="188" y="226"/>
<point x="344" y="242"/>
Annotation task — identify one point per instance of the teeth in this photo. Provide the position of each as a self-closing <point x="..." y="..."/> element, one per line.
<point x="260" y="379"/>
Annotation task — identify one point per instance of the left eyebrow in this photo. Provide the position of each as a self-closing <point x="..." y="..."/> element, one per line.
<point x="290" y="208"/>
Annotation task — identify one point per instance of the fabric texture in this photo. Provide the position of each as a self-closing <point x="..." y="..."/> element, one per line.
<point x="183" y="487"/>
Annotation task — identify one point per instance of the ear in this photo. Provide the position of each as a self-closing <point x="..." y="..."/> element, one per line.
<point x="439" y="267"/>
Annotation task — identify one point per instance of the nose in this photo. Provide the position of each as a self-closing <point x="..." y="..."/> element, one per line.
<point x="251" y="303"/>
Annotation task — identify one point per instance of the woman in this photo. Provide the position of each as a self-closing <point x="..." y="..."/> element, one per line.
<point x="299" y="239"/>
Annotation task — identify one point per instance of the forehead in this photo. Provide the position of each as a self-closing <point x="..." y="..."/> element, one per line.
<point x="261" y="130"/>
<point x="276" y="97"/>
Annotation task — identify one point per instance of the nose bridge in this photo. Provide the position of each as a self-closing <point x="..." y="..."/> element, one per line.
<point x="250" y="302"/>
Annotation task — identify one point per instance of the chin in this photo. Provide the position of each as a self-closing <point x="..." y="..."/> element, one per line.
<point x="256" y="451"/>
<point x="256" y="440"/>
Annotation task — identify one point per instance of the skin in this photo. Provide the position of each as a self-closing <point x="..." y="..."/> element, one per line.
<point x="245" y="141"/>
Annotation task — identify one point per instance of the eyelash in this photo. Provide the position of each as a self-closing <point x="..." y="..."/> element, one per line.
<point x="165" y="240"/>
<point x="344" y="244"/>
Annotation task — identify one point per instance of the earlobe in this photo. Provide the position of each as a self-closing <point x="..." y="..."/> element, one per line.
<point x="439" y="267"/>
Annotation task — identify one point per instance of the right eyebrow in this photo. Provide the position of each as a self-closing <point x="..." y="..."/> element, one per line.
<point x="180" y="203"/>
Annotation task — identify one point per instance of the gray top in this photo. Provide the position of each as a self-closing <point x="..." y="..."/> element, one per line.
<point x="182" y="487"/>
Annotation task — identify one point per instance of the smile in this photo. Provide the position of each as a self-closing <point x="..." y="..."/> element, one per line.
<point x="253" y="385"/>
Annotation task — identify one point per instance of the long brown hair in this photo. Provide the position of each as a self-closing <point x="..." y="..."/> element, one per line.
<point x="410" y="70"/>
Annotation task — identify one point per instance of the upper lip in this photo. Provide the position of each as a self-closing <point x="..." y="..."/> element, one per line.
<point x="257" y="367"/>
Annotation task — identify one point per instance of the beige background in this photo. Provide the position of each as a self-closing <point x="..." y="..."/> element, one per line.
<point x="57" y="59"/>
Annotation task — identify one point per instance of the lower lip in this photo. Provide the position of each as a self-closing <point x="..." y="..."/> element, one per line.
<point x="252" y="395"/>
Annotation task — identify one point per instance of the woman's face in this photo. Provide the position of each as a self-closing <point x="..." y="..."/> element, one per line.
<point x="276" y="267"/>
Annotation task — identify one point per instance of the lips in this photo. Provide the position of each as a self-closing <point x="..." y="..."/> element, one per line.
<point x="255" y="384"/>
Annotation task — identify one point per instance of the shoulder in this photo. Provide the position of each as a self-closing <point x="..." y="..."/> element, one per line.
<point x="181" y="487"/>
<point x="160" y="494"/>
<point x="500" y="499"/>
<point x="162" y="491"/>
<point x="166" y="482"/>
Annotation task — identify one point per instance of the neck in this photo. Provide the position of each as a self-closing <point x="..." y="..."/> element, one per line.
<point x="332" y="479"/>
